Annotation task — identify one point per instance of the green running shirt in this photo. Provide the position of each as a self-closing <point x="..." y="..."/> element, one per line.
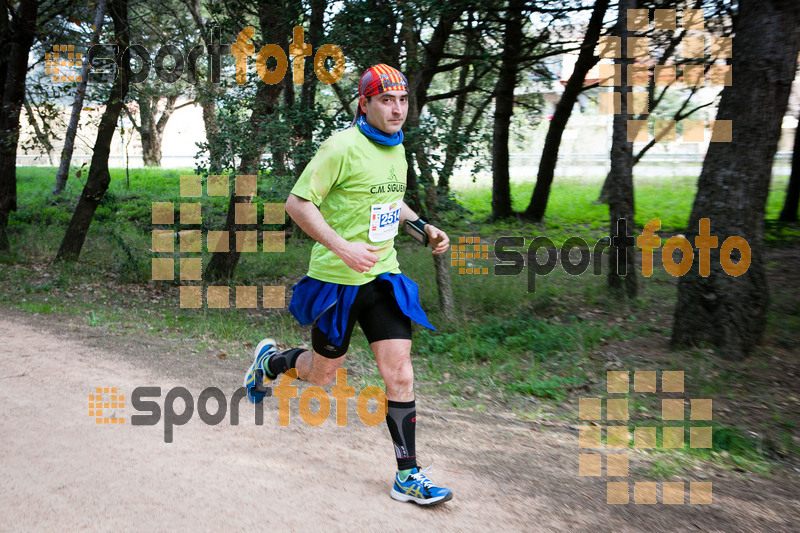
<point x="358" y="186"/>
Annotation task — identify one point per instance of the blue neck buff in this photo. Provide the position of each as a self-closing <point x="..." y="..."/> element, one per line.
<point x="377" y="135"/>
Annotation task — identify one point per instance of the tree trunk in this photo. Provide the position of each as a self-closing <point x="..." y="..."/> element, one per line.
<point x="16" y="43"/>
<point x="620" y="198"/>
<point x="454" y="146"/>
<point x="151" y="129"/>
<point x="207" y="93"/>
<point x="77" y="106"/>
<point x="99" y="178"/>
<point x="666" y="53"/>
<point x="420" y="73"/>
<point x="280" y="154"/>
<point x="677" y="117"/>
<point x="283" y="152"/>
<point x="208" y="105"/>
<point x="387" y="48"/>
<point x="151" y="145"/>
<point x="419" y="81"/>
<point x="308" y="93"/>
<point x="790" y="204"/>
<point x="504" y="108"/>
<point x="41" y="137"/>
<point x="441" y="262"/>
<point x="151" y="149"/>
<point x="8" y="181"/>
<point x="602" y="198"/>
<point x="547" y="165"/>
<point x="223" y="264"/>
<point x="730" y="311"/>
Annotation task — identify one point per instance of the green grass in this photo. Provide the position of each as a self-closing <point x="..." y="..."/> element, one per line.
<point x="572" y="204"/>
<point x="505" y="343"/>
<point x="119" y="238"/>
<point x="731" y="449"/>
<point x="528" y="355"/>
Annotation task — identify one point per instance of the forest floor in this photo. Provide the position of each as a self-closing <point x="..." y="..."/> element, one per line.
<point x="498" y="386"/>
<point x="62" y="470"/>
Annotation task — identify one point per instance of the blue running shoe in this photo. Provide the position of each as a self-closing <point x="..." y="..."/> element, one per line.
<point x="419" y="489"/>
<point x="255" y="381"/>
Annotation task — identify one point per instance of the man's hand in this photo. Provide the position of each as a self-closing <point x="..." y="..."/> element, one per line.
<point x="358" y="255"/>
<point x="437" y="239"/>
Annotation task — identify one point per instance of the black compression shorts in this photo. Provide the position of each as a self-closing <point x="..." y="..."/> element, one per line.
<point x="376" y="310"/>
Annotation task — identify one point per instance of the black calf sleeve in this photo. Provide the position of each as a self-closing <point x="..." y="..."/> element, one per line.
<point x="401" y="417"/>
<point x="281" y="362"/>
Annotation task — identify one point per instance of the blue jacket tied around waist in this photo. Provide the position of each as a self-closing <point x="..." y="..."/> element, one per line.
<point x="328" y="304"/>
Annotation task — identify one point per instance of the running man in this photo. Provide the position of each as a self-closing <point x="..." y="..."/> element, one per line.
<point x="350" y="200"/>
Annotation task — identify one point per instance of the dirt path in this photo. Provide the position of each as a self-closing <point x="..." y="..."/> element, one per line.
<point x="60" y="470"/>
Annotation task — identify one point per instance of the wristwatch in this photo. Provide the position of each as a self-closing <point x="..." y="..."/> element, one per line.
<point x="416" y="229"/>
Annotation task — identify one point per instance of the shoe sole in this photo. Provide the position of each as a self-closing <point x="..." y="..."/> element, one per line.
<point x="258" y="396"/>
<point x="399" y="496"/>
<point x="262" y="344"/>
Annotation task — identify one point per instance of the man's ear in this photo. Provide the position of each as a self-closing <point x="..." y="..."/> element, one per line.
<point x="362" y="103"/>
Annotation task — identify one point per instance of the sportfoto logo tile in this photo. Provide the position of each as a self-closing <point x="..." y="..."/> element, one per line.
<point x="512" y="261"/>
<point x="214" y="407"/>
<point x="618" y="437"/>
<point x="63" y="55"/>
<point x="106" y="59"/>
<point x="106" y="401"/>
<point x="190" y="235"/>
<point x="468" y="248"/>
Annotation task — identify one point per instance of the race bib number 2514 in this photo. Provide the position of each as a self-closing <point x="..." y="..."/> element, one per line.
<point x="384" y="221"/>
